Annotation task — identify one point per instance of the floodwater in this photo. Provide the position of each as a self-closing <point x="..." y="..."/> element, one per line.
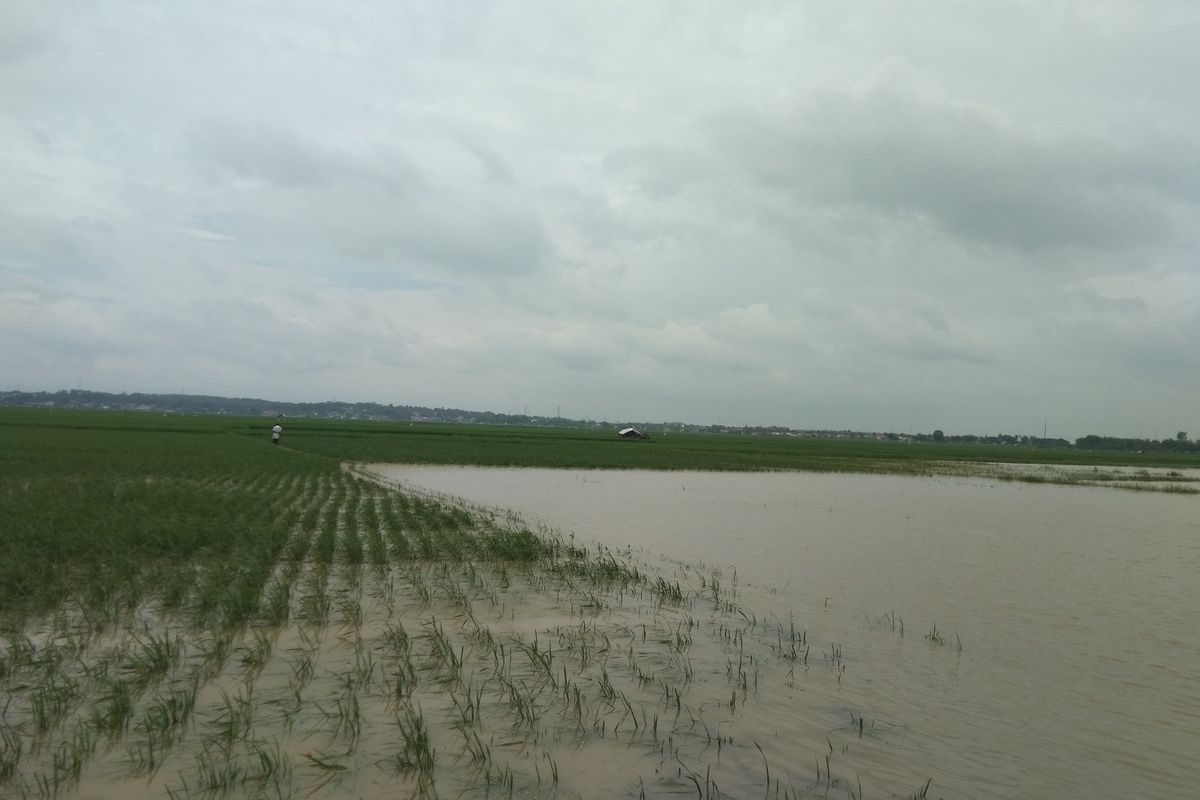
<point x="1066" y="658"/>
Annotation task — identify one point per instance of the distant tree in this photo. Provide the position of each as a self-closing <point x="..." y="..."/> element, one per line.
<point x="1181" y="436"/>
<point x="938" y="435"/>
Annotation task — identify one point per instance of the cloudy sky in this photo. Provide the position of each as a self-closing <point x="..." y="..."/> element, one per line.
<point x="975" y="216"/>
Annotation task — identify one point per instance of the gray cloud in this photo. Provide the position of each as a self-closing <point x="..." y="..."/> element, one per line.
<point x="372" y="205"/>
<point x="977" y="175"/>
<point x="843" y="215"/>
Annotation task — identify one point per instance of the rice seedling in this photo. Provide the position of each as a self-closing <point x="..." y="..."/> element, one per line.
<point x="233" y="720"/>
<point x="377" y="552"/>
<point x="113" y="710"/>
<point x="396" y="638"/>
<point x="18" y="654"/>
<point x="218" y="773"/>
<point x="668" y="592"/>
<point x="303" y="668"/>
<point x="347" y="716"/>
<point x="270" y="772"/>
<point x="350" y="610"/>
<point x="442" y="654"/>
<point x="51" y="701"/>
<point x="326" y="542"/>
<point x="11" y="750"/>
<point x="416" y="753"/>
<point x="315" y="604"/>
<point x="254" y="656"/>
<point x="66" y="763"/>
<point x="456" y="595"/>
<point x="401" y="549"/>
<point x="171" y="712"/>
<point x="215" y="652"/>
<point x="478" y="752"/>
<point x="352" y="545"/>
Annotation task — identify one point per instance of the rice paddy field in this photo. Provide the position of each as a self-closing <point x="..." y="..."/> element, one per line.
<point x="187" y="611"/>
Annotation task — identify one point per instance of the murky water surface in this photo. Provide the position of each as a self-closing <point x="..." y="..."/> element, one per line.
<point x="1066" y="657"/>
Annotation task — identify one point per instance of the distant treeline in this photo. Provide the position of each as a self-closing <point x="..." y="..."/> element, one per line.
<point x="1180" y="444"/>
<point x="1005" y="439"/>
<point x="254" y="407"/>
<point x="333" y="409"/>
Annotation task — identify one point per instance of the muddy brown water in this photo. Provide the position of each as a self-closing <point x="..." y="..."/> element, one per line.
<point x="1066" y="659"/>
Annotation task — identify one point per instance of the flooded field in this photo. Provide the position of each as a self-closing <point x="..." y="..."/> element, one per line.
<point x="1003" y="639"/>
<point x="389" y="644"/>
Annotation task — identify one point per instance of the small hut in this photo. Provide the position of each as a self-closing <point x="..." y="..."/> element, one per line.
<point x="632" y="433"/>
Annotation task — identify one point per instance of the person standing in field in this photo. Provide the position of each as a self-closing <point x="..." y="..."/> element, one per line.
<point x="276" y="432"/>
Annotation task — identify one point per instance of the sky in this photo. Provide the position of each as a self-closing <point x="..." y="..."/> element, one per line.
<point x="980" y="217"/>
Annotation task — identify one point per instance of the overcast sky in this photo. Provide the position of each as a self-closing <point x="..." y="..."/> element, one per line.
<point x="974" y="216"/>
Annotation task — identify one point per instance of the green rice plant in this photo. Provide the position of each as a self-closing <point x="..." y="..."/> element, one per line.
<point x="442" y="653"/>
<point x="218" y="774"/>
<point x="152" y="658"/>
<point x="416" y="753"/>
<point x="418" y="587"/>
<point x="362" y="674"/>
<point x="303" y="669"/>
<point x="174" y="584"/>
<point x="113" y="710"/>
<point x="52" y="700"/>
<point x="468" y="705"/>
<point x="326" y="541"/>
<point x="425" y="546"/>
<point x="478" y="752"/>
<point x="234" y="719"/>
<point x="396" y="638"/>
<point x="348" y="716"/>
<point x="401" y="548"/>
<point x="314" y="598"/>
<point x="352" y="545"/>
<point x="254" y="656"/>
<point x="18" y="654"/>
<point x="542" y="661"/>
<point x="11" y="749"/>
<point x="170" y="713"/>
<point x="270" y="771"/>
<point x="456" y="595"/>
<point x="350" y="610"/>
<point x="278" y="603"/>
<point x="145" y="756"/>
<point x="302" y="538"/>
<point x="215" y="652"/>
<point x="553" y="769"/>
<point x="668" y="592"/>
<point x="346" y="712"/>
<point x="521" y="701"/>
<point x="66" y="763"/>
<point x="377" y="552"/>
<point x="209" y="590"/>
<point x="401" y="676"/>
<point x="513" y="543"/>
